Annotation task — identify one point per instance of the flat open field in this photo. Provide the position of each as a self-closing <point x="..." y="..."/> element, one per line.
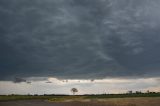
<point x="138" y="101"/>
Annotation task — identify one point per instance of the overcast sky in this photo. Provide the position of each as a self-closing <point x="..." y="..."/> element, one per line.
<point x="79" y="40"/>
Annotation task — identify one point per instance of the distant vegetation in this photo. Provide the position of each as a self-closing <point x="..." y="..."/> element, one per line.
<point x="75" y="97"/>
<point x="74" y="90"/>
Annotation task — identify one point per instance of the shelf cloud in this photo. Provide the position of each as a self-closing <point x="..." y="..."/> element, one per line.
<point x="79" y="39"/>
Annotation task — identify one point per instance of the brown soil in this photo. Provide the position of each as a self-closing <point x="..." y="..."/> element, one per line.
<point x="102" y="102"/>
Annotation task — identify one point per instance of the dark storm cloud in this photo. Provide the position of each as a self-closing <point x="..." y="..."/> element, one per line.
<point x="19" y="80"/>
<point x="79" y="38"/>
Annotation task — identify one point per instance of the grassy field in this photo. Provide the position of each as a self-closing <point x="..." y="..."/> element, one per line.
<point x="26" y="97"/>
<point x="82" y="100"/>
<point x="58" y="98"/>
<point x="134" y="101"/>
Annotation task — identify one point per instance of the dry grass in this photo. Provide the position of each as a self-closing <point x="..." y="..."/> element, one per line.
<point x="92" y="102"/>
<point x="77" y="101"/>
<point x="115" y="102"/>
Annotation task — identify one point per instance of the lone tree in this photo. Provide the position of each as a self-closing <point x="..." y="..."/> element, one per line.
<point x="74" y="90"/>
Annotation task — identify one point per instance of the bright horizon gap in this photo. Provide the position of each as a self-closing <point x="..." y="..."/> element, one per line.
<point x="55" y="86"/>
